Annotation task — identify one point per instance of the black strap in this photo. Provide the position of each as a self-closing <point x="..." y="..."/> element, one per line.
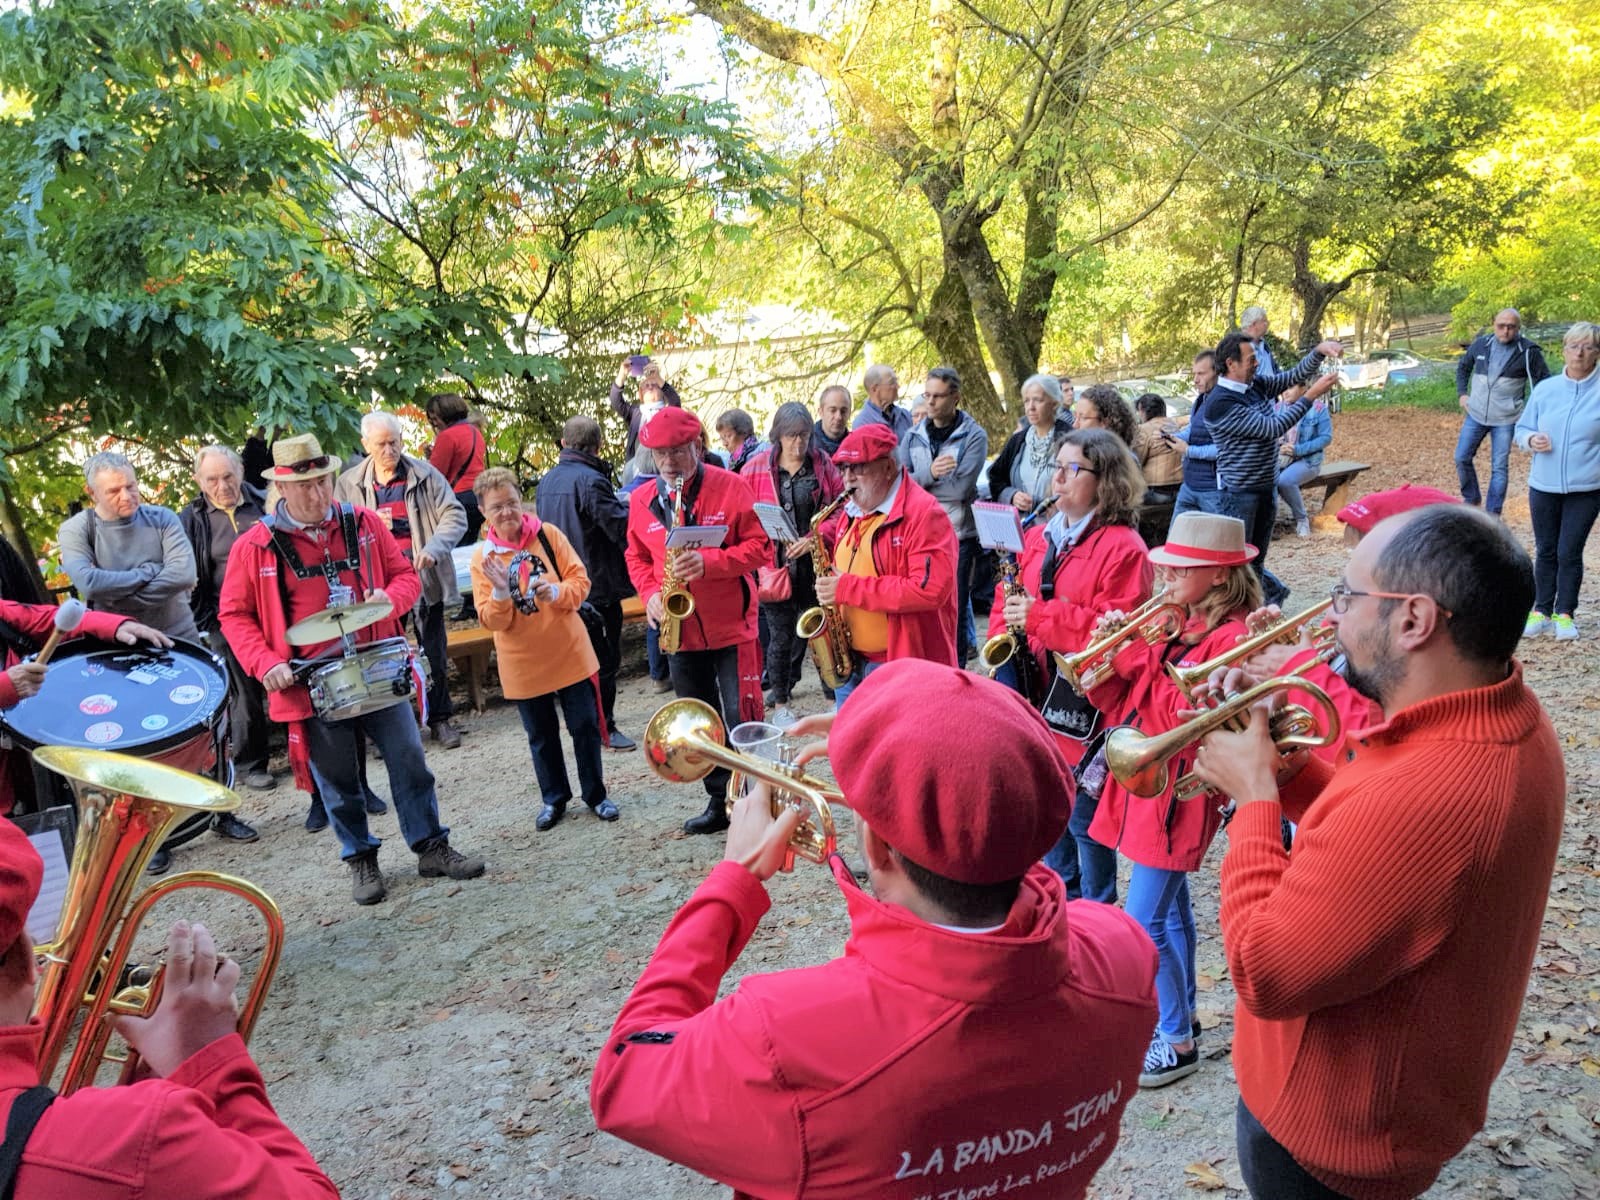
<point x="467" y="466"/>
<point x="330" y="568"/>
<point x="25" y="1113"/>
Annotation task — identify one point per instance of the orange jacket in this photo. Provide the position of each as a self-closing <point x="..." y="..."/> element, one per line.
<point x="543" y="651"/>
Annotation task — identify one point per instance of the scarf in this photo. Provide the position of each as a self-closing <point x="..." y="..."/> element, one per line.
<point x="525" y="536"/>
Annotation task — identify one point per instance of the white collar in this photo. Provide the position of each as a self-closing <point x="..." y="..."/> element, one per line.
<point x="1233" y="385"/>
<point x="852" y="509"/>
<point x="1063" y="534"/>
<point x="967" y="929"/>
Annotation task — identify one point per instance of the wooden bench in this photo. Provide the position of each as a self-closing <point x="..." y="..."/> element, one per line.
<point x="1335" y="478"/>
<point x="469" y="649"/>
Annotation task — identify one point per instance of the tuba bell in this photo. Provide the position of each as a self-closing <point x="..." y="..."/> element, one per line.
<point x="126" y="808"/>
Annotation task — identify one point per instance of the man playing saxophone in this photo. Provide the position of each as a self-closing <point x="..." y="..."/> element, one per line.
<point x="894" y="561"/>
<point x="202" y="1129"/>
<point x="717" y="659"/>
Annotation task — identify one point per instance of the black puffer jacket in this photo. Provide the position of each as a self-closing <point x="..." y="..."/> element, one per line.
<point x="578" y="498"/>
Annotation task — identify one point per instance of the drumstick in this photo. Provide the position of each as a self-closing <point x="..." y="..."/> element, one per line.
<point x="68" y="617"/>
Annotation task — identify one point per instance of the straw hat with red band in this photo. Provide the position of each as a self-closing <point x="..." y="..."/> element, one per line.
<point x="974" y="818"/>
<point x="864" y="445"/>
<point x="299" y="458"/>
<point x="670" y="427"/>
<point x="1199" y="539"/>
<point x="1366" y="512"/>
<point x="21" y="871"/>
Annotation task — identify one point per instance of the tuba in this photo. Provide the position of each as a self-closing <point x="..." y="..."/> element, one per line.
<point x="822" y="627"/>
<point x="1012" y="645"/>
<point x="685" y="741"/>
<point x="126" y="808"/>
<point x="676" y="601"/>
<point x="1156" y="620"/>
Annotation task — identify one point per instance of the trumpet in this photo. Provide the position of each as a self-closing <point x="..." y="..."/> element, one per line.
<point x="677" y="603"/>
<point x="686" y="741"/>
<point x="1141" y="762"/>
<point x="1156" y="620"/>
<point x="1286" y="630"/>
<point x="126" y="808"/>
<point x="1012" y="645"/>
<point x="822" y="627"/>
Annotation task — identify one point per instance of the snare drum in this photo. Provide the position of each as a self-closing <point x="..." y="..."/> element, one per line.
<point x="375" y="677"/>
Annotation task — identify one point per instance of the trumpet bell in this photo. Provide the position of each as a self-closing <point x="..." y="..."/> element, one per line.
<point x="670" y="737"/>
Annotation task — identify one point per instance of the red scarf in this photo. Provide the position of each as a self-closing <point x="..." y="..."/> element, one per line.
<point x="529" y="531"/>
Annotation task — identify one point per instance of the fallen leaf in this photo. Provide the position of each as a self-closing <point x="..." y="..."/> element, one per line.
<point x="1204" y="1177"/>
<point x="461" y="1170"/>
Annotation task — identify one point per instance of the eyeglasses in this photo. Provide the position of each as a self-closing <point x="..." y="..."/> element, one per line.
<point x="307" y="464"/>
<point x="1073" y="470"/>
<point x="1508" y="325"/>
<point x="1341" y="595"/>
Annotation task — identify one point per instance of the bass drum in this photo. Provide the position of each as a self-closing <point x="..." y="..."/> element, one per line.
<point x="170" y="706"/>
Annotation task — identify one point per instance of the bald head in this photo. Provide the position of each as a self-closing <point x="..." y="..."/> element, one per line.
<point x="1507" y="325"/>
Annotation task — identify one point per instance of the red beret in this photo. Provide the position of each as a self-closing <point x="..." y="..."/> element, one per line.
<point x="1366" y="512"/>
<point x="983" y="815"/>
<point x="671" y="426"/>
<point x="20" y="873"/>
<point x="867" y="444"/>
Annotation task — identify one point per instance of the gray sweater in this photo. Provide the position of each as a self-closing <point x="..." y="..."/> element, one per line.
<point x="141" y="566"/>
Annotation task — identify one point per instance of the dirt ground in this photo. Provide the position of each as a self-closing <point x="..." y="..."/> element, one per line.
<point x="441" y="1043"/>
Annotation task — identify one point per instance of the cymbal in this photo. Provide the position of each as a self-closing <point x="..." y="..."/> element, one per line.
<point x="335" y="622"/>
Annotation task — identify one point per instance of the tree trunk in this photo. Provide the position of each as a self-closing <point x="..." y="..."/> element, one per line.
<point x="948" y="325"/>
<point x="16" y="533"/>
<point x="1314" y="294"/>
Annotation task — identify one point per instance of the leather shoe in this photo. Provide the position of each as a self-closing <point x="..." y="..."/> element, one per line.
<point x="446" y="734"/>
<point x="713" y="820"/>
<point x="548" y="816"/>
<point x="375" y="805"/>
<point x="621" y="741"/>
<point x="260" y="779"/>
<point x="160" y="862"/>
<point x="226" y="825"/>
<point x="661" y="685"/>
<point x="366" y="881"/>
<point x="316" y="817"/>
<point x="605" y="810"/>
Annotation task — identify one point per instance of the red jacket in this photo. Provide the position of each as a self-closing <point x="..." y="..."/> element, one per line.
<point x="1108" y="569"/>
<point x="918" y="1062"/>
<point x="1157" y="831"/>
<point x="914" y="553"/>
<point x="250" y="606"/>
<point x="1381" y="967"/>
<point x="207" y="1132"/>
<point x="725" y="599"/>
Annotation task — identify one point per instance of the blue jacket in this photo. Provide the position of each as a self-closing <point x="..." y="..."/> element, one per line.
<point x="1312" y="435"/>
<point x="1569" y="411"/>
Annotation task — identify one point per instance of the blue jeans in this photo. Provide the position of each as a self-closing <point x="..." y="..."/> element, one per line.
<point x="580" y="707"/>
<point x="652" y="651"/>
<point x="1193" y="499"/>
<point x="1257" y="508"/>
<point x="1269" y="1170"/>
<point x="1097" y="864"/>
<point x="864" y="667"/>
<point x="1289" y="481"/>
<point x="336" y="756"/>
<point x="1159" y="900"/>
<point x="1472" y="435"/>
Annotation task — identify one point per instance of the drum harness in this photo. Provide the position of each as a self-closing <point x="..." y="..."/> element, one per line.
<point x="329" y="568"/>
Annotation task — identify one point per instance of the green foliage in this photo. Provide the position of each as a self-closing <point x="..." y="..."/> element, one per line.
<point x="1436" y="391"/>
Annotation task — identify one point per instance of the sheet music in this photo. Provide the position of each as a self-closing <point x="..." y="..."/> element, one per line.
<point x="777" y="523"/>
<point x="999" y="526"/>
<point x="45" y="914"/>
<point x="697" y="537"/>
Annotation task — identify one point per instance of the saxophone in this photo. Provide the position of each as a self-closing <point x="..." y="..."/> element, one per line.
<point x="1012" y="645"/>
<point x="676" y="600"/>
<point x="822" y="627"/>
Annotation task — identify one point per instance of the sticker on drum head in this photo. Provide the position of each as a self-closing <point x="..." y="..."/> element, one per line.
<point x="155" y="721"/>
<point x="186" y="693"/>
<point x="93" y="669"/>
<point x="97" y="705"/>
<point x="102" y="731"/>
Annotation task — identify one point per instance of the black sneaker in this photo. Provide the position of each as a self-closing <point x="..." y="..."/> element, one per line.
<point x="226" y="825"/>
<point x="1164" y="1063"/>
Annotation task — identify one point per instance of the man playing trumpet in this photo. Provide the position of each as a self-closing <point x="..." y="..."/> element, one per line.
<point x="1418" y="878"/>
<point x="877" y="1073"/>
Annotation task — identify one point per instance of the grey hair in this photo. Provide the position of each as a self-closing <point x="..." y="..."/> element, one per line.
<point x="1583" y="331"/>
<point x="877" y="373"/>
<point x="371" y="421"/>
<point x="1251" y="315"/>
<point x="108" y="460"/>
<point x="234" y="461"/>
<point x="1049" y="384"/>
<point x="737" y="420"/>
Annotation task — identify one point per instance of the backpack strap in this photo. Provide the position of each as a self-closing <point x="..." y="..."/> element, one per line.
<point x="26" y="1111"/>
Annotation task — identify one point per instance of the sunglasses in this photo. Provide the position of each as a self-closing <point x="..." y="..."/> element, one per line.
<point x="305" y="464"/>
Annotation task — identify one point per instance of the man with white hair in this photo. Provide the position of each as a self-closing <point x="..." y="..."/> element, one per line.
<point x="213" y="521"/>
<point x="126" y="556"/>
<point x="418" y="506"/>
<point x="1253" y="324"/>
<point x="883" y="389"/>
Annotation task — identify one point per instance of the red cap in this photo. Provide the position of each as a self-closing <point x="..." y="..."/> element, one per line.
<point x="670" y="427"/>
<point x="867" y="444"/>
<point x="20" y="873"/>
<point x="981" y="817"/>
<point x="1366" y="512"/>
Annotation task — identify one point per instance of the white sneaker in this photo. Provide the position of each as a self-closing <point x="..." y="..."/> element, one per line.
<point x="1566" y="631"/>
<point x="1302" y="527"/>
<point x="1537" y="624"/>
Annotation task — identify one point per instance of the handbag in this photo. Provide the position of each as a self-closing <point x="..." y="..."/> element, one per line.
<point x="773" y="585"/>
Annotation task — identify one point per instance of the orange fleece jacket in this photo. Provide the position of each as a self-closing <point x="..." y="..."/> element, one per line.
<point x="543" y="651"/>
<point x="1381" y="966"/>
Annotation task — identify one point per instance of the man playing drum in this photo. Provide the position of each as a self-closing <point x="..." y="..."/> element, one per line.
<point x="307" y="556"/>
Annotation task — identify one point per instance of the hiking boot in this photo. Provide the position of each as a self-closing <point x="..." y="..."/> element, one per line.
<point x="1164" y="1063"/>
<point x="441" y="859"/>
<point x="366" y="885"/>
<point x="661" y="685"/>
<point x="446" y="734"/>
<point x="1537" y="624"/>
<point x="713" y="820"/>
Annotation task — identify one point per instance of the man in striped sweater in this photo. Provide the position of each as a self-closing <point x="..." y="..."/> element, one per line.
<point x="1240" y="418"/>
<point x="1380" y="968"/>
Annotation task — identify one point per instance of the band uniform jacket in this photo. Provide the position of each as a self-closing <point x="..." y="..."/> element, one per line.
<point x="725" y="598"/>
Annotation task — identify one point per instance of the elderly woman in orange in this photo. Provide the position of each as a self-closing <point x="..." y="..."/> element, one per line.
<point x="528" y="585"/>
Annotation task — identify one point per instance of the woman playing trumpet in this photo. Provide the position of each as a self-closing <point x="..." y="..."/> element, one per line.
<point x="1206" y="565"/>
<point x="1086" y="559"/>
